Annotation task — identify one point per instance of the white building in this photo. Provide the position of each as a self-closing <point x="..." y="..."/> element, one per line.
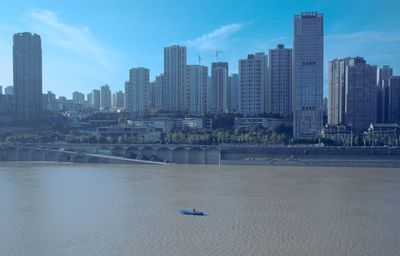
<point x="176" y="93"/>
<point x="308" y="57"/>
<point x="253" y="84"/>
<point x="137" y="92"/>
<point x="197" y="77"/>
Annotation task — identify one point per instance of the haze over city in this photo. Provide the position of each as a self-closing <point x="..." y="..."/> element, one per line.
<point x="86" y="45"/>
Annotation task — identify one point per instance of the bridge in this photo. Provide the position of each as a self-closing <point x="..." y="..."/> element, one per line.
<point x="111" y="153"/>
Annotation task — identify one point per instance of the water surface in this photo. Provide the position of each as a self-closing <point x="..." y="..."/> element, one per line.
<point x="64" y="209"/>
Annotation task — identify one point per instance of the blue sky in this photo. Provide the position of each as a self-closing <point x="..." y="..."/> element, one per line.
<point x="89" y="43"/>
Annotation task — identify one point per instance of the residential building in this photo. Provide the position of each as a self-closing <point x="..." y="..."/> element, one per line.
<point x="219" y="94"/>
<point x="9" y="90"/>
<point x="253" y="84"/>
<point x="78" y="97"/>
<point x="280" y="81"/>
<point x="197" y="77"/>
<point x="234" y="81"/>
<point x="175" y="86"/>
<point x="137" y="91"/>
<point x="96" y="99"/>
<point x="105" y="98"/>
<point x="118" y="100"/>
<point x="27" y="64"/>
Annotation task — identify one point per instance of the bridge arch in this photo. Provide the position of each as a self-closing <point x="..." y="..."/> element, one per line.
<point x="50" y="156"/>
<point x="64" y="158"/>
<point x="117" y="151"/>
<point x="132" y="152"/>
<point x="24" y="154"/>
<point x="37" y="155"/>
<point x="148" y="152"/>
<point x="164" y="154"/>
<point x="180" y="156"/>
<point x="212" y="155"/>
<point x="196" y="156"/>
<point x="79" y="159"/>
<point x="93" y="160"/>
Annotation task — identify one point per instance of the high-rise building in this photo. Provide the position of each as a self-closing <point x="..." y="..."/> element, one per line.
<point x="27" y="64"/>
<point x="352" y="93"/>
<point x="253" y="84"/>
<point x="383" y="74"/>
<point x="197" y="79"/>
<point x="105" y="98"/>
<point x="9" y="90"/>
<point x="219" y="88"/>
<point x="361" y="94"/>
<point x="389" y="98"/>
<point x="1" y="90"/>
<point x="175" y="86"/>
<point x="308" y="59"/>
<point x="95" y="99"/>
<point x="137" y="91"/>
<point x="89" y="98"/>
<point x="234" y="81"/>
<point x="78" y="97"/>
<point x="280" y="80"/>
<point x="118" y="100"/>
<point x="159" y="93"/>
<point x="50" y="102"/>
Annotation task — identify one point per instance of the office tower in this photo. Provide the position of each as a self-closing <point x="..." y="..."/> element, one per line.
<point x="280" y="80"/>
<point x="176" y="93"/>
<point x="95" y="99"/>
<point x="383" y="74"/>
<point x="219" y="88"/>
<point x="308" y="57"/>
<point x="234" y="81"/>
<point x="253" y="82"/>
<point x="1" y="90"/>
<point x="360" y="94"/>
<point x="105" y="98"/>
<point x="78" y="97"/>
<point x="118" y="100"/>
<point x="197" y="79"/>
<point x="27" y="64"/>
<point x="9" y="90"/>
<point x="137" y="91"/>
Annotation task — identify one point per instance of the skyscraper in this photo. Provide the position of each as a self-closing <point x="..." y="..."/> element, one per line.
<point x="253" y="83"/>
<point x="308" y="57"/>
<point x="96" y="99"/>
<point x="117" y="101"/>
<point x="175" y="86"/>
<point x="383" y="74"/>
<point x="219" y="101"/>
<point x="197" y="77"/>
<point x="393" y="84"/>
<point x="361" y="94"/>
<point x="105" y="98"/>
<point x="234" y="81"/>
<point x="337" y="90"/>
<point x="9" y="90"/>
<point x="137" y="91"/>
<point x="1" y="90"/>
<point x="27" y="64"/>
<point x="280" y="80"/>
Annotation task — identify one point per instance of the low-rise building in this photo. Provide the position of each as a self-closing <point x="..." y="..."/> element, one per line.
<point x="271" y="123"/>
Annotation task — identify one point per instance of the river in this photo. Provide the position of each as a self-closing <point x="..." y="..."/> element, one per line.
<point x="66" y="209"/>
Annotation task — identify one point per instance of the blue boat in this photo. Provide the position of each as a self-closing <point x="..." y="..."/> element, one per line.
<point x="191" y="212"/>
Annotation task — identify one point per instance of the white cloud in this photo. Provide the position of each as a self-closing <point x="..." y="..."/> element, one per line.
<point x="215" y="39"/>
<point x="60" y="34"/>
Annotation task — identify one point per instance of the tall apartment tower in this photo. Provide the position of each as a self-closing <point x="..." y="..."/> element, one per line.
<point x="361" y="94"/>
<point x="95" y="99"/>
<point x="176" y="92"/>
<point x="78" y="97"/>
<point x="234" y="80"/>
<point x="105" y="98"/>
<point x="383" y="74"/>
<point x="117" y="100"/>
<point x="308" y="58"/>
<point x="1" y="90"/>
<point x="253" y="84"/>
<point x="219" y="88"/>
<point x="137" y="91"/>
<point x="280" y="80"/>
<point x="337" y="90"/>
<point x="393" y="85"/>
<point x="27" y="64"/>
<point x="197" y="76"/>
<point x="159" y="92"/>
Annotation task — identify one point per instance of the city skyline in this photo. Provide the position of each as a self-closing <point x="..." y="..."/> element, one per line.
<point x="97" y="55"/>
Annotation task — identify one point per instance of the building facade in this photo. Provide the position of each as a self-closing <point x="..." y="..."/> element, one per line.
<point x="27" y="64"/>
<point x="280" y="80"/>
<point x="105" y="98"/>
<point x="219" y="92"/>
<point x="118" y="100"/>
<point x="253" y="84"/>
<point x="175" y="86"/>
<point x="308" y="59"/>
<point x="383" y="74"/>
<point x="197" y="76"/>
<point x="234" y="81"/>
<point x="95" y="99"/>
<point x="137" y="92"/>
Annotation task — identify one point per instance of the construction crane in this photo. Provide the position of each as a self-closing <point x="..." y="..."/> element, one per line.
<point x="217" y="52"/>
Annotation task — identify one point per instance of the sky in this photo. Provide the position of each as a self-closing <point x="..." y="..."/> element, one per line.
<point x="89" y="43"/>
